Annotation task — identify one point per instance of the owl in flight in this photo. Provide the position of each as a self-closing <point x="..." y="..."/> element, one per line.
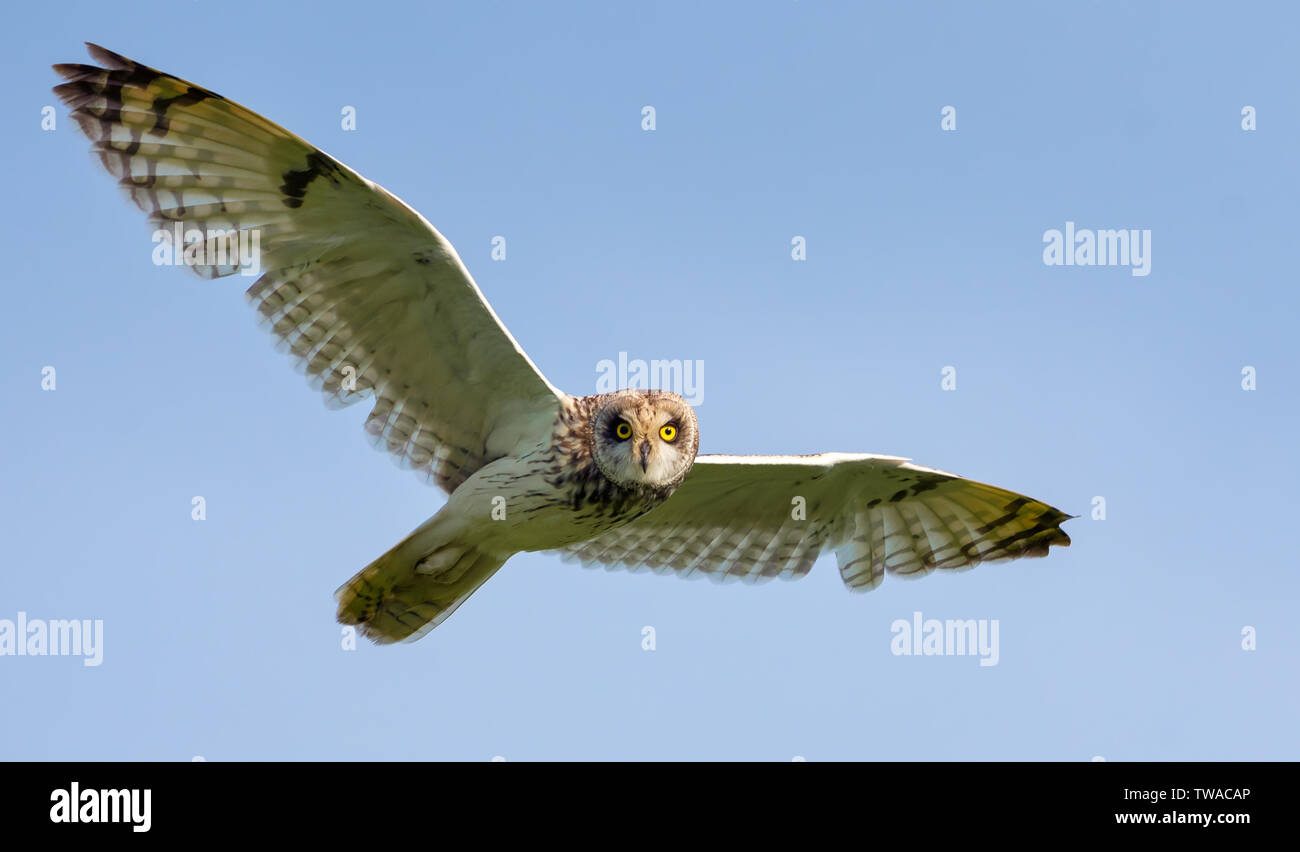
<point x="372" y="301"/>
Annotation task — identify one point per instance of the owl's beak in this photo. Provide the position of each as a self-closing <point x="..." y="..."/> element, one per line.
<point x="645" y="454"/>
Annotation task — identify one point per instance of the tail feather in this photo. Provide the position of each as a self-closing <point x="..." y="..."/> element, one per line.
<point x="413" y="587"/>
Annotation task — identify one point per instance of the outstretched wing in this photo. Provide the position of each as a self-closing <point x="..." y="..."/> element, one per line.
<point x="752" y="518"/>
<point x="360" y="288"/>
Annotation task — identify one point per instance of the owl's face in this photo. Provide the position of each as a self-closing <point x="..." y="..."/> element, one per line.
<point x="645" y="438"/>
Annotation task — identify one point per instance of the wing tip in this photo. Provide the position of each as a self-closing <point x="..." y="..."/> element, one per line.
<point x="109" y="59"/>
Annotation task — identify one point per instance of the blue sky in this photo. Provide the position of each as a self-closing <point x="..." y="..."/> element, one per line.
<point x="924" y="250"/>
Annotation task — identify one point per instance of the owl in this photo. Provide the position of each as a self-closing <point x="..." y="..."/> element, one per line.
<point x="373" y="303"/>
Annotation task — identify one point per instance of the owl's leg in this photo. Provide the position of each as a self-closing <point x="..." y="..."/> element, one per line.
<point x="417" y="584"/>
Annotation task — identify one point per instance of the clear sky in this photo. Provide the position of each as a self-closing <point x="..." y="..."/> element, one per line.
<point x="924" y="250"/>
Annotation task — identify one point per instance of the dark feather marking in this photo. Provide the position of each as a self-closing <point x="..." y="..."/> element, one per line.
<point x="191" y="95"/>
<point x="296" y="180"/>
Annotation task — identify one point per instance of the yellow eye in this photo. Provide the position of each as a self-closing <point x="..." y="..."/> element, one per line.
<point x="623" y="431"/>
<point x="668" y="433"/>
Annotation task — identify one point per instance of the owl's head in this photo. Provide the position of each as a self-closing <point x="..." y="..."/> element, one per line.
<point x="644" y="438"/>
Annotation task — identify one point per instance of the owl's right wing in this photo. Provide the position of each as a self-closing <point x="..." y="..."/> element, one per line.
<point x="751" y="518"/>
<point x="366" y="294"/>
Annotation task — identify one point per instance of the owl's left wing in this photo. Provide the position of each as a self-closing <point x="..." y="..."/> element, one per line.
<point x="370" y="299"/>
<point x="752" y="518"/>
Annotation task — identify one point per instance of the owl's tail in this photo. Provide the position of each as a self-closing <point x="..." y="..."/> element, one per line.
<point x="415" y="586"/>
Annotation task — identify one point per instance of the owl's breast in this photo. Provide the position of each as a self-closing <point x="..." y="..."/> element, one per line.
<point x="584" y="503"/>
<point x="541" y="501"/>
